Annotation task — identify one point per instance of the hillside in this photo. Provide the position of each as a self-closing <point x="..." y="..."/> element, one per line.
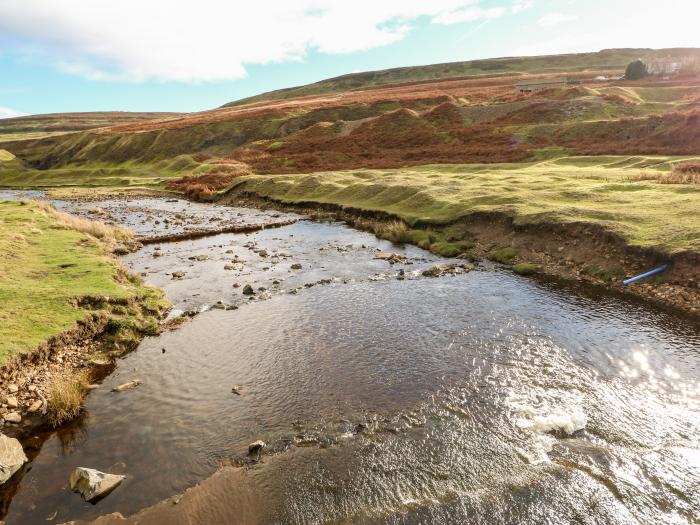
<point x="613" y="60"/>
<point x="39" y="126"/>
<point x="465" y="120"/>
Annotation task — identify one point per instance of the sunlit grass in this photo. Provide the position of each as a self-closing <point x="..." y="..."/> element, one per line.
<point x="579" y="189"/>
<point x="51" y="260"/>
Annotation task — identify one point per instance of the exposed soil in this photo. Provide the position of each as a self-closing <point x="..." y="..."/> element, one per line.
<point x="28" y="377"/>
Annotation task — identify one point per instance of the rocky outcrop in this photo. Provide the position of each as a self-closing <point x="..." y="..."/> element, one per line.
<point x="12" y="457"/>
<point x="93" y="484"/>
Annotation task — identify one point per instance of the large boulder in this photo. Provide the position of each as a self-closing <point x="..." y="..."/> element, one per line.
<point x="93" y="484"/>
<point x="12" y="457"/>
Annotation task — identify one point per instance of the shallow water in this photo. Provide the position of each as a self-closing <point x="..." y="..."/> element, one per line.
<point x="481" y="397"/>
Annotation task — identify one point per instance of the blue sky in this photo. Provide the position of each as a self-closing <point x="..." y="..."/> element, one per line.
<point x="175" y="55"/>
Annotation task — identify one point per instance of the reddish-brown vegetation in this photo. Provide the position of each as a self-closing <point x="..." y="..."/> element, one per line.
<point x="399" y="138"/>
<point x="670" y="134"/>
<point x="449" y="121"/>
<point x="203" y="187"/>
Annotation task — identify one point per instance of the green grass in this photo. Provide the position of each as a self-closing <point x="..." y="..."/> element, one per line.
<point x="6" y="156"/>
<point x="153" y="175"/>
<point x="503" y="255"/>
<point x="526" y="268"/>
<point x="49" y="260"/>
<point x="581" y="189"/>
<point x="40" y="126"/>
<point x="451" y="249"/>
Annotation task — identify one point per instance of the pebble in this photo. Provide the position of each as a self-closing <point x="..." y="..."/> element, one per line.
<point x="35" y="406"/>
<point x="12" y="417"/>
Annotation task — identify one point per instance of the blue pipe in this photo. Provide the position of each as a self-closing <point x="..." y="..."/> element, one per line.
<point x="645" y="275"/>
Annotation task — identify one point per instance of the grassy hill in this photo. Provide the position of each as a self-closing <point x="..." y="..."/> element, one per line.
<point x="605" y="60"/>
<point x="481" y="119"/>
<point x="39" y="126"/>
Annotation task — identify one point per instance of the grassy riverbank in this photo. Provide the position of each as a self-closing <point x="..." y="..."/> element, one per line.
<point x="628" y="196"/>
<point x="57" y="270"/>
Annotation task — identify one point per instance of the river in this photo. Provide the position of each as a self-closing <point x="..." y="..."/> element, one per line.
<point x="384" y="396"/>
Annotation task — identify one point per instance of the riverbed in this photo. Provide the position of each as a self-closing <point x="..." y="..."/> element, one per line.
<point x="383" y="395"/>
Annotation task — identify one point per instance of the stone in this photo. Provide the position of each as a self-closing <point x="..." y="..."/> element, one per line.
<point x="248" y="290"/>
<point x="236" y="285"/>
<point x="236" y="389"/>
<point x="256" y="447"/>
<point x="178" y="275"/>
<point x="296" y="266"/>
<point x="443" y="269"/>
<point x="390" y="257"/>
<point x="12" y="417"/>
<point x="262" y="253"/>
<point x="35" y="406"/>
<point x="12" y="388"/>
<point x="93" y="484"/>
<point x="12" y="457"/>
<point x="127" y="386"/>
<point x="12" y="402"/>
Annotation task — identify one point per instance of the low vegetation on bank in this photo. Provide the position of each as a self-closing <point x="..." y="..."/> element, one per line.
<point x="57" y="270"/>
<point x="65" y="397"/>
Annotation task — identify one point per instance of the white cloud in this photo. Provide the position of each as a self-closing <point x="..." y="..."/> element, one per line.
<point x="521" y="5"/>
<point x="9" y="113"/>
<point x="554" y="19"/>
<point x="211" y="40"/>
<point x="469" y="14"/>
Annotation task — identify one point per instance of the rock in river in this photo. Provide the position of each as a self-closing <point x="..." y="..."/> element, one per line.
<point x="256" y="447"/>
<point x="248" y="290"/>
<point x="93" y="484"/>
<point x="127" y="386"/>
<point x="12" y="457"/>
<point x="390" y="257"/>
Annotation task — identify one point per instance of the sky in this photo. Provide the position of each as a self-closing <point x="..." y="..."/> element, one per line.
<point x="177" y="55"/>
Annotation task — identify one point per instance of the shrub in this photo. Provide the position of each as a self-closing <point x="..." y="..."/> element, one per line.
<point x="636" y="70"/>
<point x="65" y="397"/>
